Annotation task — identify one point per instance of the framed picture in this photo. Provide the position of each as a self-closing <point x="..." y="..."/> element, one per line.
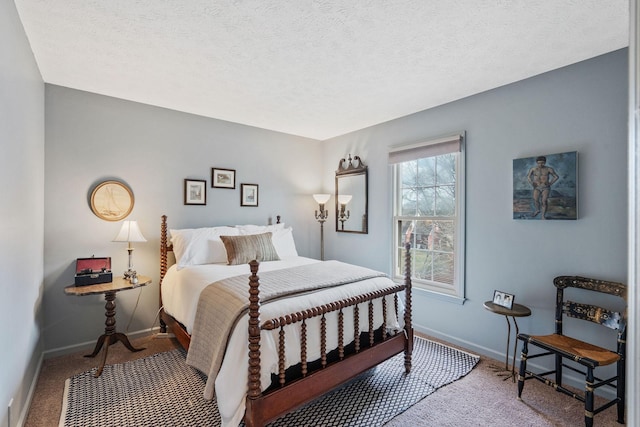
<point x="112" y="201"/>
<point x="248" y="194"/>
<point x="546" y="187"/>
<point x="223" y="178"/>
<point x="503" y="299"/>
<point x="195" y="192"/>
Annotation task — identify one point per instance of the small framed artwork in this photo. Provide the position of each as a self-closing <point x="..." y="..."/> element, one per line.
<point x="223" y="178"/>
<point x="248" y="194"/>
<point x="195" y="192"/>
<point x="503" y="299"/>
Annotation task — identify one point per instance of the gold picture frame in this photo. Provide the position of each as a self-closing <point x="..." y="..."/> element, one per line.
<point x="112" y="201"/>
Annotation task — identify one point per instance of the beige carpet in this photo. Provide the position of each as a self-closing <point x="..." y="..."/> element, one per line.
<point x="479" y="399"/>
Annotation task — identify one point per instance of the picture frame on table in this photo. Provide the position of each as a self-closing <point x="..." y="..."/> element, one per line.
<point x="195" y="192"/>
<point x="503" y="299"/>
<point x="223" y="178"/>
<point x="248" y="194"/>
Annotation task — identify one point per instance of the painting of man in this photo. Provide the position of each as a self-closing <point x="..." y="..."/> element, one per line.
<point x="544" y="187"/>
<point x="541" y="177"/>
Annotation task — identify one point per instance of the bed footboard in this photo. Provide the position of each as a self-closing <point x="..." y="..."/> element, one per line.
<point x="262" y="407"/>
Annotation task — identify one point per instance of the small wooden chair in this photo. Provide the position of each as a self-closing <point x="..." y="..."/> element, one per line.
<point x="587" y="356"/>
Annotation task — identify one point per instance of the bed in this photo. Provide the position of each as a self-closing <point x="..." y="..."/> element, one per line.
<point x="270" y="348"/>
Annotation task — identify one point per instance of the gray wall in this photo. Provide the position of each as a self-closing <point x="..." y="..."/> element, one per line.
<point x="21" y="213"/>
<point x="91" y="138"/>
<point x="583" y="108"/>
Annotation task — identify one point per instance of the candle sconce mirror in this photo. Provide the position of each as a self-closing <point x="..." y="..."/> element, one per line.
<point x="351" y="196"/>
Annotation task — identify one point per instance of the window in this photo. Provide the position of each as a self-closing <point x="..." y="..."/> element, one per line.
<point x="428" y="196"/>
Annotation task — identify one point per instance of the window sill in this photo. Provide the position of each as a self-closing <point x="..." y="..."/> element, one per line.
<point x="433" y="294"/>
<point x="453" y="299"/>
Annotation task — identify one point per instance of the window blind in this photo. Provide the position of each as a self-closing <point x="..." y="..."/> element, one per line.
<point x="430" y="148"/>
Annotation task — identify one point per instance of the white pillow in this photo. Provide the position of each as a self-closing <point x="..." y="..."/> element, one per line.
<point x="195" y="246"/>
<point x="259" y="229"/>
<point x="284" y="243"/>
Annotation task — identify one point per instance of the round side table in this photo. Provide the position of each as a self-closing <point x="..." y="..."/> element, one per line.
<point x="110" y="335"/>
<point x="517" y="310"/>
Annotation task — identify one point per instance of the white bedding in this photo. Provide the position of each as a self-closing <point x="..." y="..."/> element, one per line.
<point x="180" y="291"/>
<point x="181" y="288"/>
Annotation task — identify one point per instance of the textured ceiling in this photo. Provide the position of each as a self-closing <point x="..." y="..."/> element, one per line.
<point x="315" y="68"/>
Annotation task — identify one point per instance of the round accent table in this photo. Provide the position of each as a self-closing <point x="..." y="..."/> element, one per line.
<point x="518" y="310"/>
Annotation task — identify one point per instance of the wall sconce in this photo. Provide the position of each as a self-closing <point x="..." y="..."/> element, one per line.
<point x="321" y="217"/>
<point x="343" y="215"/>
<point x="130" y="232"/>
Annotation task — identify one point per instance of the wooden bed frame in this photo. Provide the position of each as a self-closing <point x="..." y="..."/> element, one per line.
<point x="289" y="394"/>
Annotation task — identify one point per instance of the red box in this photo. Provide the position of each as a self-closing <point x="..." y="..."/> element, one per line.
<point x="90" y="271"/>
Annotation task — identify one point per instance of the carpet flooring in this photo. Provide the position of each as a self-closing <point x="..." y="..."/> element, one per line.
<point x="481" y="398"/>
<point x="161" y="390"/>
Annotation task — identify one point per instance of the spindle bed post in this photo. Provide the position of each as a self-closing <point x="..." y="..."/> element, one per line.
<point x="408" y="346"/>
<point x="254" y="333"/>
<point x="163" y="265"/>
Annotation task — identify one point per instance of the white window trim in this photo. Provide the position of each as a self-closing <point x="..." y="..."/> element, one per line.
<point x="428" y="148"/>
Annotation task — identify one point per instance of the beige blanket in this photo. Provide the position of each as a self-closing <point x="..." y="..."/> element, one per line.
<point x="222" y="303"/>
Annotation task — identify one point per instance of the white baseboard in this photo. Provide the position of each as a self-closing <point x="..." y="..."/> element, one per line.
<point x="61" y="351"/>
<point x="164" y="335"/>
<point x="32" y="389"/>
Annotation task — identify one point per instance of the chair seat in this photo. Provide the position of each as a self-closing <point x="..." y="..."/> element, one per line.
<point x="579" y="349"/>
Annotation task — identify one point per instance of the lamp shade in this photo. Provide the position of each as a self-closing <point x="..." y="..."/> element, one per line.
<point x="321" y="198"/>
<point x="130" y="232"/>
<point x="343" y="199"/>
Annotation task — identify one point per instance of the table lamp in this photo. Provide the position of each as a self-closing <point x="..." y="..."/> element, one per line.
<point x="130" y="232"/>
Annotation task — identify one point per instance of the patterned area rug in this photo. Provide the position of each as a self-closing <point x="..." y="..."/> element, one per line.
<point x="161" y="390"/>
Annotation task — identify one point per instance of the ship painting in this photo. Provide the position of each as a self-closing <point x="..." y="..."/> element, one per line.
<point x="111" y="201"/>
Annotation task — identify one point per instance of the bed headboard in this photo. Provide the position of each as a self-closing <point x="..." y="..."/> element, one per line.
<point x="167" y="257"/>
